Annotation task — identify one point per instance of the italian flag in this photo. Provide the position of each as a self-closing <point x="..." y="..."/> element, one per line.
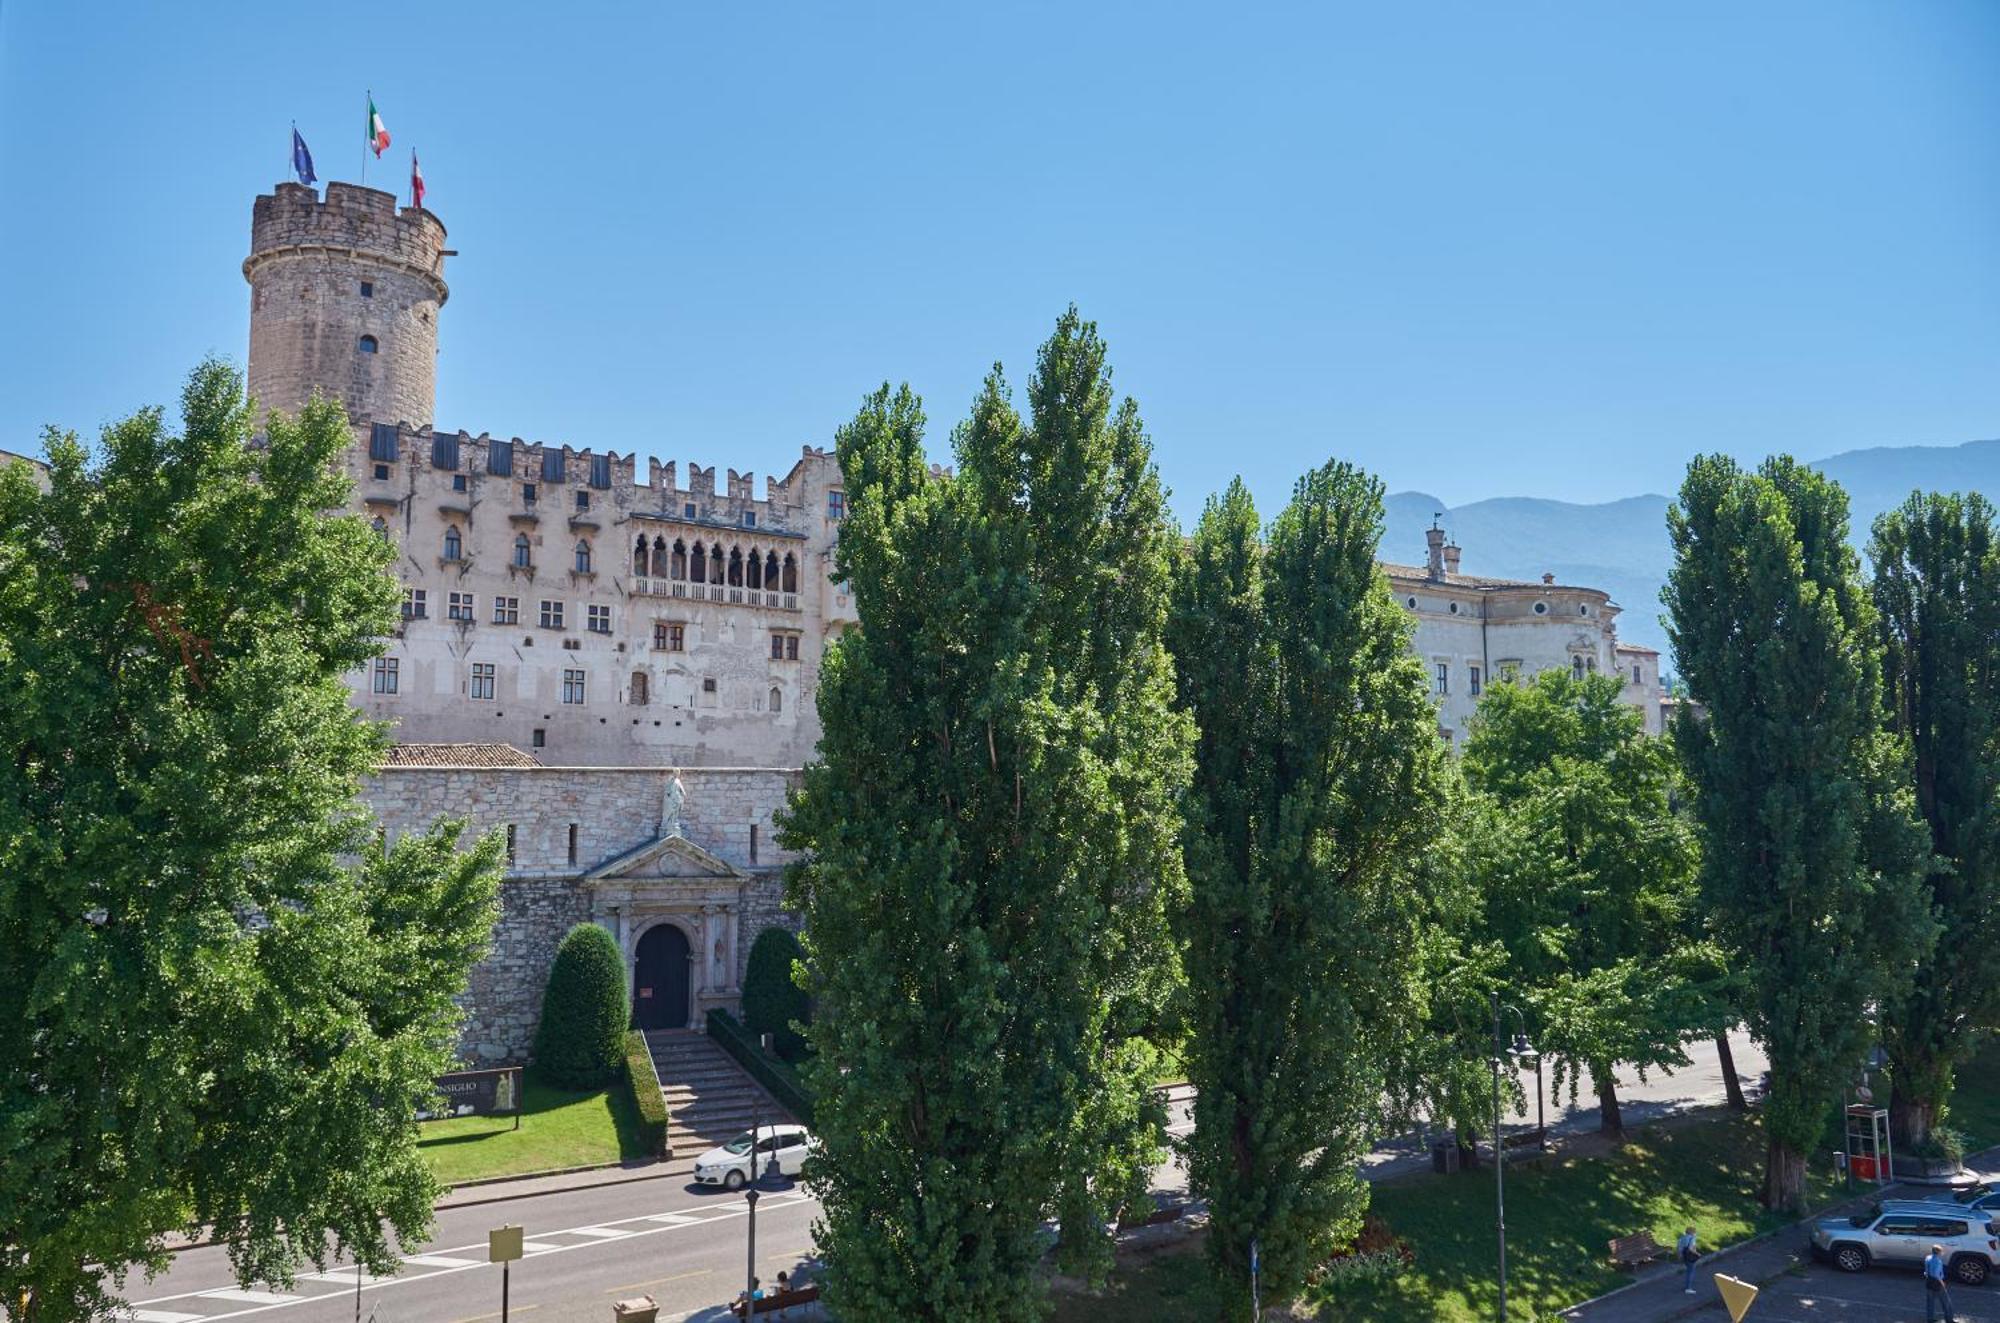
<point x="378" y="136"/>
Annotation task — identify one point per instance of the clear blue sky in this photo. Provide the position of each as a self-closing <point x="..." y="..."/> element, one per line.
<point x="1482" y="248"/>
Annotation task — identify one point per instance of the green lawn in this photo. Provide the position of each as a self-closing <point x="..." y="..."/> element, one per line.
<point x="558" y="1129"/>
<point x="1560" y="1214"/>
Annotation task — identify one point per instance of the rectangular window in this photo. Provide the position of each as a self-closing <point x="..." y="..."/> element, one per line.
<point x="687" y="511"/>
<point x="749" y="519"/>
<point x="1444" y="677"/>
<point x="415" y="605"/>
<point x="382" y="442"/>
<point x="367" y="289"/>
<point x="1635" y="676"/>
<point x="458" y="482"/>
<point x="753" y="842"/>
<point x="572" y="687"/>
<point x="538" y="739"/>
<point x="510" y="829"/>
<point x="552" y="614"/>
<point x="572" y="842"/>
<point x="482" y="679"/>
<point x="381" y="472"/>
<point x="836" y="504"/>
<point x="552" y="466"/>
<point x="669" y="636"/>
<point x="458" y="606"/>
<point x="791" y="647"/>
<point x="600" y="472"/>
<point x="386" y="675"/>
<point x="444" y="451"/>
<point x="600" y="620"/>
<point x="777" y="647"/>
<point x="500" y="458"/>
<point x="506" y="610"/>
<point x="1472" y="680"/>
<point x="528" y="493"/>
<point x="582" y="498"/>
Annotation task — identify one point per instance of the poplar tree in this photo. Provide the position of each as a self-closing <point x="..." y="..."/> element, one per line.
<point x="1813" y="860"/>
<point x="1320" y="784"/>
<point x="990" y="844"/>
<point x="1587" y="875"/>
<point x="221" y="1004"/>
<point x="1937" y="593"/>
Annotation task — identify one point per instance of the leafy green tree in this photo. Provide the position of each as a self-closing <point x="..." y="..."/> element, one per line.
<point x="207" y="1018"/>
<point x="1320" y="784"/>
<point x="1588" y="877"/>
<point x="990" y="844"/>
<point x="1813" y="859"/>
<point x="773" y="1001"/>
<point x="1937" y="593"/>
<point x="580" y="1039"/>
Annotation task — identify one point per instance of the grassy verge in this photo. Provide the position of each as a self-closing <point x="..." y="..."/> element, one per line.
<point x="558" y="1129"/>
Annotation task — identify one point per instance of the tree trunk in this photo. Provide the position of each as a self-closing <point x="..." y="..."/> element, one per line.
<point x="1731" y="1085"/>
<point x="1610" y="1121"/>
<point x="1784" y="1178"/>
<point x="1911" y="1119"/>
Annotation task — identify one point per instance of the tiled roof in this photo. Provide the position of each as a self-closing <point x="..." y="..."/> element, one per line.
<point x="1458" y="580"/>
<point x="457" y="755"/>
<point x="1634" y="647"/>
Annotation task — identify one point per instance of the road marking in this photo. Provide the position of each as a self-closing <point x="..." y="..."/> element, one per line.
<point x="160" y="1316"/>
<point x="602" y="1233"/>
<point x="658" y="1281"/>
<point x="249" y="1297"/>
<point x="542" y="1246"/>
<point x="481" y="1318"/>
<point x="674" y="1219"/>
<point x="340" y="1277"/>
<point x="438" y="1261"/>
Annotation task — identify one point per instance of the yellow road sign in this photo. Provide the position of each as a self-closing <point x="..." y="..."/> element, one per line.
<point x="1736" y="1295"/>
<point x="503" y="1244"/>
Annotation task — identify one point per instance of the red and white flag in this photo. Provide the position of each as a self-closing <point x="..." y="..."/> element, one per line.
<point x="416" y="181"/>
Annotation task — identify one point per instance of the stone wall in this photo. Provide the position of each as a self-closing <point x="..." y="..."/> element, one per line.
<point x="615" y="811"/>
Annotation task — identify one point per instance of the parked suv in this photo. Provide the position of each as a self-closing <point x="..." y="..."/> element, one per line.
<point x="1900" y="1233"/>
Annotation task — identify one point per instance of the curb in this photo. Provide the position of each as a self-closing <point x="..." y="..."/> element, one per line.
<point x="660" y="1172"/>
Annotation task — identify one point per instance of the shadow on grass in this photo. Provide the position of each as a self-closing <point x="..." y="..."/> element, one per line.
<point x="559" y="1128"/>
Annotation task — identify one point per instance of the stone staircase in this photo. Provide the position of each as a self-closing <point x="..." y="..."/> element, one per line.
<point x="710" y="1099"/>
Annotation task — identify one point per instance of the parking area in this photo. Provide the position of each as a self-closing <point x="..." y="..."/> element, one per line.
<point x="1821" y="1294"/>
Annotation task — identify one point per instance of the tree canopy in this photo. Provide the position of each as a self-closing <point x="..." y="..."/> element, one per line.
<point x="990" y="843"/>
<point x="580" y="1038"/>
<point x="220" y="1004"/>
<point x="1813" y="859"/>
<point x="1320" y="787"/>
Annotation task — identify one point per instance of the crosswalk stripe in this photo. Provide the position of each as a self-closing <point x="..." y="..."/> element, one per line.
<point x="160" y="1316"/>
<point x="341" y="1276"/>
<point x="537" y="1247"/>
<point x="248" y="1297"/>
<point x="674" y="1219"/>
<point x="438" y="1261"/>
<point x="601" y="1233"/>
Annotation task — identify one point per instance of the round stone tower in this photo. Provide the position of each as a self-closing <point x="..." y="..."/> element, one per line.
<point x="344" y="298"/>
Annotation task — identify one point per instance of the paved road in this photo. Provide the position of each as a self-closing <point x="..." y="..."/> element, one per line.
<point x="683" y="1245"/>
<point x="1825" y="1295"/>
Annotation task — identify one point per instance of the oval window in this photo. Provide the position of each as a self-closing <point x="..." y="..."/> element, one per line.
<point x="1541" y="608"/>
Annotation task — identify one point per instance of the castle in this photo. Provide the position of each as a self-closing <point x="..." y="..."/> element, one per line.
<point x="619" y="675"/>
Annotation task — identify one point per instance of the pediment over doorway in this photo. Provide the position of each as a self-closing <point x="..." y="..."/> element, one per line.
<point x="673" y="855"/>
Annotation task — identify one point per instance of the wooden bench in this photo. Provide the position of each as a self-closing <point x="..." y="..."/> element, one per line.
<point x="774" y="1301"/>
<point x="1631" y="1251"/>
<point x="1537" y="1138"/>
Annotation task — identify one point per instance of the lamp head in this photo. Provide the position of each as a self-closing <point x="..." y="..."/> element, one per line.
<point x="1523" y="1051"/>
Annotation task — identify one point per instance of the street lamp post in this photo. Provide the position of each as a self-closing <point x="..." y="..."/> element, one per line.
<point x="1522" y="1054"/>
<point x="750" y="1273"/>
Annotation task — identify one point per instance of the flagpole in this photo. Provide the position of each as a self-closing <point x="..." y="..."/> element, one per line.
<point x="368" y="140"/>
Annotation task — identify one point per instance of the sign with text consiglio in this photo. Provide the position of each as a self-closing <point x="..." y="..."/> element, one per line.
<point x="478" y="1093"/>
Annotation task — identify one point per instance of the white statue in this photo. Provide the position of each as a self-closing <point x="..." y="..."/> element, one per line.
<point x="670" y="805"/>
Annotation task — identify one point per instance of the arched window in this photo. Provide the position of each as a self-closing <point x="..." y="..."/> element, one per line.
<point x="791" y="579"/>
<point x="697" y="564"/>
<point x="640" y="562"/>
<point x="639" y="696"/>
<point x="521" y="550"/>
<point x="660" y="557"/>
<point x="582" y="556"/>
<point x="381" y="527"/>
<point x="453" y="546"/>
<point x="771" y="571"/>
<point x="753" y="573"/>
<point x="715" y="565"/>
<point x="367" y="344"/>
<point x="680" y="566"/>
<point x="777" y="700"/>
<point x="1576" y="668"/>
<point x="736" y="567"/>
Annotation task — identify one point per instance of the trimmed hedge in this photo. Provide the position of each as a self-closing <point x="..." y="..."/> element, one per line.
<point x="644" y="1082"/>
<point x="580" y="1043"/>
<point x="780" y="1083"/>
<point x="772" y="1002"/>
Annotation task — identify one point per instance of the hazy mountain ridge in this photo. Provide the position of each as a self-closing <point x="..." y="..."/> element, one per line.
<point x="1621" y="546"/>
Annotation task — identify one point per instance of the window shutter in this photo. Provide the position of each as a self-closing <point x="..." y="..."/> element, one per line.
<point x="600" y="471"/>
<point x="444" y="450"/>
<point x="382" y="442"/>
<point x="500" y="457"/>
<point x="552" y="466"/>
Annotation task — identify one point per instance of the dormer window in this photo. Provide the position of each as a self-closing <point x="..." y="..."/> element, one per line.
<point x="367" y="344"/>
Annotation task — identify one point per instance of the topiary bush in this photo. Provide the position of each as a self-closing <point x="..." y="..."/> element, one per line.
<point x="772" y="1002"/>
<point x="580" y="1043"/>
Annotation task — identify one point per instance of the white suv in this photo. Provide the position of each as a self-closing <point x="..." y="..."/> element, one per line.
<point x="730" y="1166"/>
<point x="1900" y="1233"/>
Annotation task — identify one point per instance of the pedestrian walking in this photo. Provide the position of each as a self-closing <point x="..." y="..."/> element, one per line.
<point x="1689" y="1257"/>
<point x="1936" y="1294"/>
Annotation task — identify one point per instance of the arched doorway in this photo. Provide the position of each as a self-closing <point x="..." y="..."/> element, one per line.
<point x="660" y="974"/>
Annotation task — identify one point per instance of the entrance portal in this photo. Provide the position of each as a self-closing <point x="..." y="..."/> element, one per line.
<point x="660" y="979"/>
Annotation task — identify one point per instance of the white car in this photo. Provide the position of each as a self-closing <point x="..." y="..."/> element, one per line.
<point x="730" y="1166"/>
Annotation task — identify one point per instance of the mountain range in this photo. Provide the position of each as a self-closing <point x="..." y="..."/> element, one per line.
<point x="1621" y="546"/>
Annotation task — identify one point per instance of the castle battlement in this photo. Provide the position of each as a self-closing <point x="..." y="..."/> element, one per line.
<point x="353" y="222"/>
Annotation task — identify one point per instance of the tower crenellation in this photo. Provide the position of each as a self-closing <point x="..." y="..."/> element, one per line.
<point x="344" y="298"/>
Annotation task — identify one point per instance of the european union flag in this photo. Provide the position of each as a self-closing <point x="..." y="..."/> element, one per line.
<point x="302" y="160"/>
